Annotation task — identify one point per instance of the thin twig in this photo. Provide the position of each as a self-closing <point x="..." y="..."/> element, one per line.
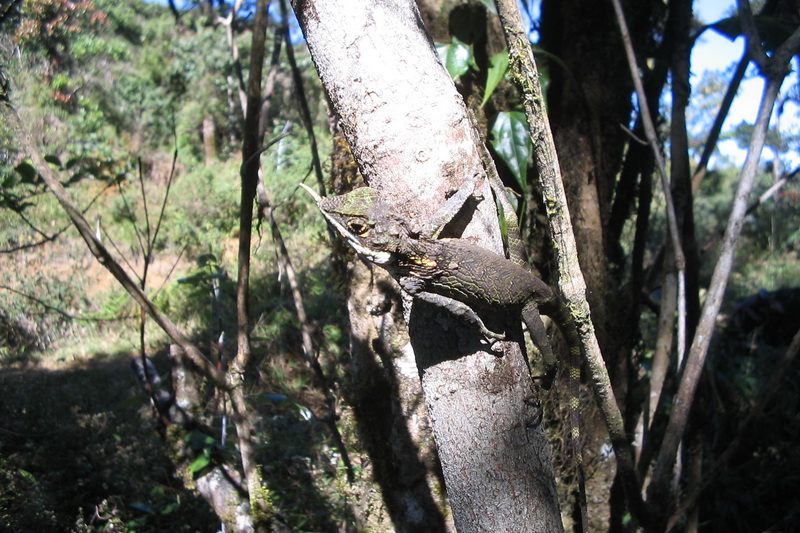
<point x="269" y="82"/>
<point x="719" y="120"/>
<point x="658" y="489"/>
<point x="61" y="312"/>
<point x="23" y="136"/>
<point x="652" y="138"/>
<point x="769" y="193"/>
<point x="131" y="215"/>
<point x="163" y="209"/>
<point x="171" y="270"/>
<point x="306" y="331"/>
<point x="121" y="255"/>
<point x="305" y="112"/>
<point x="148" y="237"/>
<point x="58" y="233"/>
<point x="633" y="136"/>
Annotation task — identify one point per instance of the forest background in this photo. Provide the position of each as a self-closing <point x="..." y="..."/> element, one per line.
<point x="141" y="108"/>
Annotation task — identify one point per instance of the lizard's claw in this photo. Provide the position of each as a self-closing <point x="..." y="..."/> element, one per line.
<point x="491" y="335"/>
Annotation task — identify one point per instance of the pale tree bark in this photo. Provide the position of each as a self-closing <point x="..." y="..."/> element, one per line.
<point x="385" y="391"/>
<point x="230" y="31"/>
<point x="209" y="139"/>
<point x="220" y="487"/>
<point x="387" y="400"/>
<point x="409" y="132"/>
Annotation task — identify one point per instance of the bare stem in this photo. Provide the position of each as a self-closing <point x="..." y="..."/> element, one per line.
<point x="658" y="488"/>
<point x="571" y="282"/>
<point x="100" y="251"/>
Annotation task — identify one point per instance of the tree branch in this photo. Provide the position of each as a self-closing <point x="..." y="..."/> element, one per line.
<point x="658" y="489"/>
<point x="719" y="120"/>
<point x="305" y="112"/>
<point x="768" y="391"/>
<point x="652" y="138"/>
<point x="49" y="238"/>
<point x="571" y="281"/>
<point x="259" y="505"/>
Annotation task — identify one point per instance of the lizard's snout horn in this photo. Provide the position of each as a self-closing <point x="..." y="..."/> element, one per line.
<point x="317" y="198"/>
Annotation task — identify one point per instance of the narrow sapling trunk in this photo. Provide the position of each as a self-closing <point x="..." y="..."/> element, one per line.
<point x="409" y="132"/>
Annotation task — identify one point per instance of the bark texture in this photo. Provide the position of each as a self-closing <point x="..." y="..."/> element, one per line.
<point x="408" y="130"/>
<point x="588" y="100"/>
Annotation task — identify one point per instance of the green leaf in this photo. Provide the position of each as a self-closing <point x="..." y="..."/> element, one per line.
<point x="773" y="31"/>
<point x="456" y="57"/>
<point x="27" y="475"/>
<point x="198" y="440"/>
<point x="498" y="66"/>
<point x="512" y="142"/>
<point x="170" y="508"/>
<point x="502" y="219"/>
<point x="202" y="461"/>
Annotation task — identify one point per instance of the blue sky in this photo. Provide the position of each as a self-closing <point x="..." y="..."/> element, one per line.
<point x="716" y="52"/>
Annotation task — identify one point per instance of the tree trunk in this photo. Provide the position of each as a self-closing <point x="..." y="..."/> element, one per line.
<point x="588" y="99"/>
<point x="409" y="132"/>
<point x="209" y="139"/>
<point x="220" y="485"/>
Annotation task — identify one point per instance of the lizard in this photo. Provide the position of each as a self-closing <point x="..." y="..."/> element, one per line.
<point x="450" y="273"/>
<point x="461" y="277"/>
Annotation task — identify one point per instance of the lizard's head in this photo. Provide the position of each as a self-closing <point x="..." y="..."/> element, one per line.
<point x="363" y="220"/>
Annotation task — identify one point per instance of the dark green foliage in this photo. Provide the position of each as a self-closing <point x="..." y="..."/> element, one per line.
<point x="17" y="185"/>
<point x="765" y="473"/>
<point x="23" y="503"/>
<point x="79" y="456"/>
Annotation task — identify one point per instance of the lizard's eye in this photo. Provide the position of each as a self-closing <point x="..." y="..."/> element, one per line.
<point x="362" y="230"/>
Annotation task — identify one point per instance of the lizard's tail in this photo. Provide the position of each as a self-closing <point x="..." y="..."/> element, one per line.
<point x="563" y="318"/>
